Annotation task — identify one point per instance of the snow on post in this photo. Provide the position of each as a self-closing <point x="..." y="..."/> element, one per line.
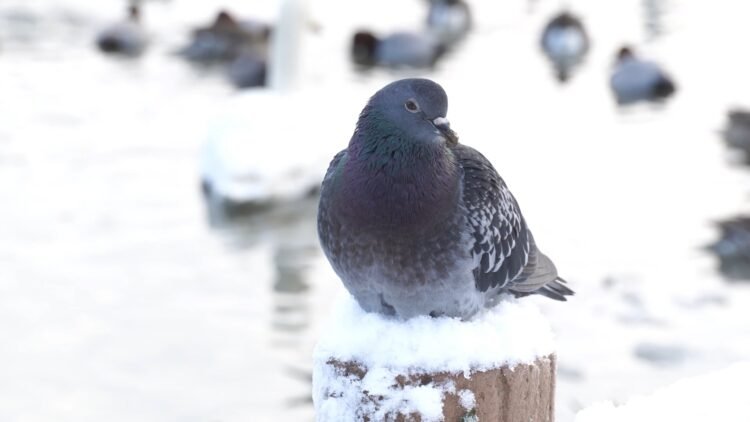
<point x="500" y="366"/>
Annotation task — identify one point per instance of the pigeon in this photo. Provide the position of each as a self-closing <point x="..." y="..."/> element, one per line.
<point x="634" y="79"/>
<point x="415" y="223"/>
<point x="565" y="42"/>
<point x="125" y="38"/>
<point x="399" y="49"/>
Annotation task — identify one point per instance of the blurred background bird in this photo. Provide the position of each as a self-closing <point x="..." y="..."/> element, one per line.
<point x="736" y="132"/>
<point x="127" y="38"/>
<point x="635" y="79"/>
<point x="225" y="39"/>
<point x="565" y="42"/>
<point x="398" y="49"/>
<point x="733" y="248"/>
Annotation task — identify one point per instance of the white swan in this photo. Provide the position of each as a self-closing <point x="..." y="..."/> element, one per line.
<point x="270" y="144"/>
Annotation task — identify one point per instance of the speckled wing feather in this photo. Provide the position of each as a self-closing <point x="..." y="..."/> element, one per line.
<point x="502" y="242"/>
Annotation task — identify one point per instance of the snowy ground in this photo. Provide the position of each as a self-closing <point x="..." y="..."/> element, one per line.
<point x="119" y="302"/>
<point x="714" y="396"/>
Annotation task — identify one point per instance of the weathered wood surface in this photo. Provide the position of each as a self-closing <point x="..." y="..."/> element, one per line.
<point x="523" y="393"/>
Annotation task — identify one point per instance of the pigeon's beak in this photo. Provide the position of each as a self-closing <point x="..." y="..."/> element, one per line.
<point x="444" y="126"/>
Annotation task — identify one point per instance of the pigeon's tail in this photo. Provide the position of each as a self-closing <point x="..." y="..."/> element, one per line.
<point x="562" y="73"/>
<point x="664" y="88"/>
<point x="109" y="44"/>
<point x="556" y="289"/>
<point x="541" y="278"/>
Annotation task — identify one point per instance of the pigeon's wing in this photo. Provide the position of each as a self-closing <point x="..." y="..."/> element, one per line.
<point x="324" y="218"/>
<point x="503" y="248"/>
<point x="334" y="166"/>
<point x="502" y="243"/>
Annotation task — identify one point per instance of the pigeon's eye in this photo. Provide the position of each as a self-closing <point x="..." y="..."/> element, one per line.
<point x="411" y="106"/>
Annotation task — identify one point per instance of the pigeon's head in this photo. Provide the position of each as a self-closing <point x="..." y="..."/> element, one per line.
<point x="364" y="44"/>
<point x="134" y="13"/>
<point x="625" y="52"/>
<point x="224" y="21"/>
<point x="415" y="108"/>
<point x="566" y="19"/>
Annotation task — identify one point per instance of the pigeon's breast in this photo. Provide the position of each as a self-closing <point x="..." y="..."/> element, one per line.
<point x="407" y="273"/>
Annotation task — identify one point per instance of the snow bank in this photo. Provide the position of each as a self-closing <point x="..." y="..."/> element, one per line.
<point x="717" y="396"/>
<point x="509" y="334"/>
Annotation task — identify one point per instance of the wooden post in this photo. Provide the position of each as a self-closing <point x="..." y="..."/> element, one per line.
<point x="497" y="367"/>
<point x="524" y="392"/>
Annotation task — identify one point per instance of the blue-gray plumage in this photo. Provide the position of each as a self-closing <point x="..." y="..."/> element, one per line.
<point x="415" y="223"/>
